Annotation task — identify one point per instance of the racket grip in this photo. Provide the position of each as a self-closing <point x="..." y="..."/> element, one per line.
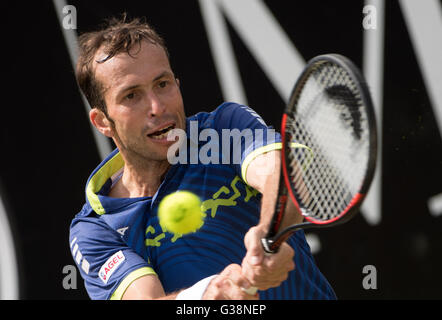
<point x="267" y="246"/>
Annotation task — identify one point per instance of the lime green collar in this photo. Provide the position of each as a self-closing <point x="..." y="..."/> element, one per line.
<point x="100" y="177"/>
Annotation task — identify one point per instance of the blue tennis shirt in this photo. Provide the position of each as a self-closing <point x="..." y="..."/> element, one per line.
<point x="114" y="241"/>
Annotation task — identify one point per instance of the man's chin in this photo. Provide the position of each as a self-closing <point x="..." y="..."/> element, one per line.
<point x="146" y="155"/>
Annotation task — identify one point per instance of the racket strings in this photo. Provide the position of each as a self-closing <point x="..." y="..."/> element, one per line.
<point x="328" y="118"/>
<point x="319" y="188"/>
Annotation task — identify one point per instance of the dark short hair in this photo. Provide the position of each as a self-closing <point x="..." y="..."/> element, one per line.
<point x="118" y="35"/>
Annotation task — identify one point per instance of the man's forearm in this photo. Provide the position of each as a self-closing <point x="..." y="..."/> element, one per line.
<point x="264" y="174"/>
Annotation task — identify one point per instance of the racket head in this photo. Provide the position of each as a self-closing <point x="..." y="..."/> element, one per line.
<point x="330" y="114"/>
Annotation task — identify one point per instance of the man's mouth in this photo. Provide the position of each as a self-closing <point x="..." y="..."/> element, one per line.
<point x="162" y="133"/>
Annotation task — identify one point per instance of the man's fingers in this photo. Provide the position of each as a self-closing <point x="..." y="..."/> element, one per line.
<point x="232" y="291"/>
<point x="226" y="288"/>
<point x="284" y="259"/>
<point x="272" y="271"/>
<point x="234" y="282"/>
<point x="235" y="275"/>
<point x="254" y="255"/>
<point x="252" y="241"/>
<point x="215" y="290"/>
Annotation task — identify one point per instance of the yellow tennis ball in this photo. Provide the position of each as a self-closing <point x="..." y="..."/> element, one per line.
<point x="180" y="212"/>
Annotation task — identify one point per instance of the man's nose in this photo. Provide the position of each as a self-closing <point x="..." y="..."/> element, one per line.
<point x="156" y="107"/>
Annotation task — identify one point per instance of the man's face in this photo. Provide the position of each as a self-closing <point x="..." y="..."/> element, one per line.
<point x="143" y="100"/>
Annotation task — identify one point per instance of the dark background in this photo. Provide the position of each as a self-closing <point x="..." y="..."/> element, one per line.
<point x="48" y="150"/>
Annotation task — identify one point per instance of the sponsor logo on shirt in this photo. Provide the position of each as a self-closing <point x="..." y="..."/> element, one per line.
<point x="109" y="267"/>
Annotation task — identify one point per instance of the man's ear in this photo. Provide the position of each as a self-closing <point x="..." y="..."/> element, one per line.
<point x="101" y="122"/>
<point x="177" y="82"/>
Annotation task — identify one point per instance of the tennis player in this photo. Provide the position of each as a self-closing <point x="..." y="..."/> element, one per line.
<point x="116" y="240"/>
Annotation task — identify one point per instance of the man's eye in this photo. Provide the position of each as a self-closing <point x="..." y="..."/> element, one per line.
<point x="163" y="84"/>
<point x="130" y="96"/>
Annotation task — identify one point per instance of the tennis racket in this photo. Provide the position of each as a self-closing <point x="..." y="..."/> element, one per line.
<point x="329" y="146"/>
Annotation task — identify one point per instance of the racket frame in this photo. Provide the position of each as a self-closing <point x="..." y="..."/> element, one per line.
<point x="276" y="237"/>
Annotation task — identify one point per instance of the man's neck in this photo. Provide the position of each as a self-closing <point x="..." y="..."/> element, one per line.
<point x="139" y="181"/>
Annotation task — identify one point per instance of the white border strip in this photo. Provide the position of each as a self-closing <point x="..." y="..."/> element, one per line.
<point x="9" y="282"/>
<point x="424" y="23"/>
<point x="373" y="69"/>
<point x="266" y="41"/>
<point x="435" y="205"/>
<point x="222" y="52"/>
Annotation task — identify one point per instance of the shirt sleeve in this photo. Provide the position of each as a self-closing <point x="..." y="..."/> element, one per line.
<point x="107" y="265"/>
<point x="245" y="136"/>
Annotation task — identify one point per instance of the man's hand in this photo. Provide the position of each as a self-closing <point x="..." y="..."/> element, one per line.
<point x="265" y="271"/>
<point x="228" y="285"/>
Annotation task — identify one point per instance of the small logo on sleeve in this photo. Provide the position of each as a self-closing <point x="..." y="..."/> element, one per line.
<point x="110" y="266"/>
